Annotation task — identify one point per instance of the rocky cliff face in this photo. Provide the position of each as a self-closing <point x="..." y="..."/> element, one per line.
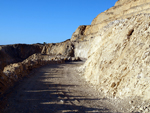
<point x="123" y="9"/>
<point x="118" y="56"/>
<point x="119" y="62"/>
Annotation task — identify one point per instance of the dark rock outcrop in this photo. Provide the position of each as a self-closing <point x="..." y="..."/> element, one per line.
<point x="17" y="53"/>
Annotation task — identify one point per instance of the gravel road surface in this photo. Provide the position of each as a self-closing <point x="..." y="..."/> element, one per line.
<point x="55" y="88"/>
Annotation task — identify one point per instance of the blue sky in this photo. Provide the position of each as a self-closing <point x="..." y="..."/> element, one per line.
<point x="50" y="21"/>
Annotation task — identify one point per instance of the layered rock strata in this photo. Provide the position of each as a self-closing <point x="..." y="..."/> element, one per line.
<point x="116" y="46"/>
<point x="123" y="9"/>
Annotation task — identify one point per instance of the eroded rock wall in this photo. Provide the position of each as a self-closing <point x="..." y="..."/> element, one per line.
<point x="123" y="9"/>
<point x="116" y="46"/>
<point x="118" y="60"/>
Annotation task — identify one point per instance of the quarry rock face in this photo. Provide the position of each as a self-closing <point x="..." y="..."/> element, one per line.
<point x="123" y="9"/>
<point x="111" y="44"/>
<point x="117" y="50"/>
<point x="118" y="61"/>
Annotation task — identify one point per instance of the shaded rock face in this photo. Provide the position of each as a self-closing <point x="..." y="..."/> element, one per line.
<point x="118" y="60"/>
<point x="16" y="53"/>
<point x="3" y="82"/>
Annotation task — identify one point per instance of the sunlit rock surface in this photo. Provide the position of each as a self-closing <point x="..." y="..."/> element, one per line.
<point x="117" y="47"/>
<point x="123" y="9"/>
<point x="119" y="58"/>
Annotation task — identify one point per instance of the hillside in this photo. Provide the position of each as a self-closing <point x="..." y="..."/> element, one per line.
<point x="116" y="47"/>
<point x="118" y="56"/>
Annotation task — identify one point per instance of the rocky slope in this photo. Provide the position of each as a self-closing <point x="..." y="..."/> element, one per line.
<point x="123" y="9"/>
<point x="118" y="56"/>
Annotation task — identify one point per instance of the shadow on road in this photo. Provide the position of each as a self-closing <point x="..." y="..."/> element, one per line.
<point x="40" y="94"/>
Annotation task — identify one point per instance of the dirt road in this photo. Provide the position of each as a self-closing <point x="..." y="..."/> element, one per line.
<point x="56" y="88"/>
